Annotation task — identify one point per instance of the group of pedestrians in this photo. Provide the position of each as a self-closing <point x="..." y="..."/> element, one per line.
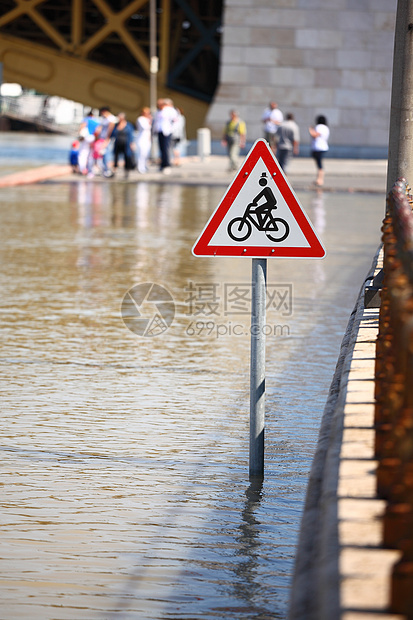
<point x="98" y="135"/>
<point x="91" y="152"/>
<point x="283" y="136"/>
<point x="167" y="127"/>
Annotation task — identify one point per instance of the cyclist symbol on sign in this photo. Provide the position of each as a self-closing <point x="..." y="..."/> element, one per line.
<point x="261" y="216"/>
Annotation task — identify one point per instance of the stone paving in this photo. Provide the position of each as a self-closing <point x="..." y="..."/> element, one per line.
<point x="341" y="174"/>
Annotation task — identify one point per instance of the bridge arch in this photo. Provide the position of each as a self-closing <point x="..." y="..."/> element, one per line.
<point x="97" y="52"/>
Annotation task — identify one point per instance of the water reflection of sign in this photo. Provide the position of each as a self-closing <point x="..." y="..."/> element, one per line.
<point x="148" y="309"/>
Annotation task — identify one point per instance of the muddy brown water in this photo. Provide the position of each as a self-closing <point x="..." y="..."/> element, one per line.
<point x="125" y="490"/>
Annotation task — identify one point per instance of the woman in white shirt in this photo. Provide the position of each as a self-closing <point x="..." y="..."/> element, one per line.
<point x="178" y="137"/>
<point x="144" y="139"/>
<point x="319" y="145"/>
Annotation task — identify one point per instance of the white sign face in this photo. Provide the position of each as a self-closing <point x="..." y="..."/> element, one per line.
<point x="266" y="196"/>
<point x="259" y="216"/>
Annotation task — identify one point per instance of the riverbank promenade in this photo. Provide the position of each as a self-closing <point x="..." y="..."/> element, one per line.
<point x="348" y="175"/>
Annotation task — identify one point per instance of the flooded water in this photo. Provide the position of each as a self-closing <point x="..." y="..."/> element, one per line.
<point x="125" y="455"/>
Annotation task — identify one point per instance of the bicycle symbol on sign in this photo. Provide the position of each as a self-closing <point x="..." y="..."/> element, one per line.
<point x="261" y="216"/>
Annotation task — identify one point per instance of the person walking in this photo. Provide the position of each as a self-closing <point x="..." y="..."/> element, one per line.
<point x="164" y="120"/>
<point x="178" y="137"/>
<point x="319" y="146"/>
<point x="234" y="138"/>
<point x="104" y="134"/>
<point x="87" y="137"/>
<point x="272" y="119"/>
<point x="288" y="141"/>
<point x="74" y="156"/>
<point x="124" y="144"/>
<point x="144" y="139"/>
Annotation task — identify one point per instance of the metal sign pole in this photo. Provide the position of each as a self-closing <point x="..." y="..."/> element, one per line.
<point x="257" y="372"/>
<point x="1" y="82"/>
<point x="153" y="69"/>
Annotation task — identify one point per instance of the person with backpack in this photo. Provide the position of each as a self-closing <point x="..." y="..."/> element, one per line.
<point x="288" y="141"/>
<point x="234" y="138"/>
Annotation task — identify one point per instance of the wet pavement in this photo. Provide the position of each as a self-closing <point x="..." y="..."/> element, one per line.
<point x="366" y="176"/>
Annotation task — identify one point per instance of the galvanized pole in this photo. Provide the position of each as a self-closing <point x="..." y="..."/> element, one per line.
<point x="1" y="82"/>
<point x="154" y="61"/>
<point x="257" y="371"/>
<point x="401" y="113"/>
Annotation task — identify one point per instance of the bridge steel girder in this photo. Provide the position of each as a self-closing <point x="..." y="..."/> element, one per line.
<point x="59" y="65"/>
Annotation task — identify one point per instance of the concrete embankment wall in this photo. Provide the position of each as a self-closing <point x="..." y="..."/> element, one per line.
<point x="342" y="570"/>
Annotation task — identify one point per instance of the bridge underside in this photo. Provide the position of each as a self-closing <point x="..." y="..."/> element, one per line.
<point x="98" y="52"/>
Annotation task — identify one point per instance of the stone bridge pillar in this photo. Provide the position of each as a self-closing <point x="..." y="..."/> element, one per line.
<point x="331" y="57"/>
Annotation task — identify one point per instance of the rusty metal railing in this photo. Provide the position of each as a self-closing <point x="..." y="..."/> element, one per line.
<point x="394" y="392"/>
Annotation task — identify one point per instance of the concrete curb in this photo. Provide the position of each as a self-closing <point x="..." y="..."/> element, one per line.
<point x="35" y="175"/>
<point x="305" y="592"/>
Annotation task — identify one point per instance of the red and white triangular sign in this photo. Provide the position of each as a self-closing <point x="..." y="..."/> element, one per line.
<point x="259" y="216"/>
